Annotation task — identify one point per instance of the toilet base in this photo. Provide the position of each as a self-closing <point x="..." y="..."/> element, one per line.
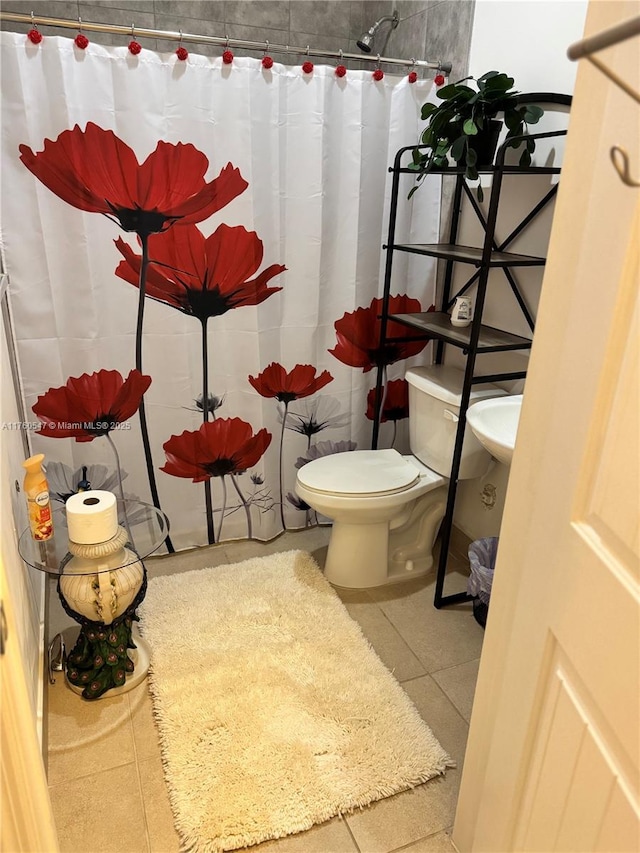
<point x="357" y="555"/>
<point x="362" y="556"/>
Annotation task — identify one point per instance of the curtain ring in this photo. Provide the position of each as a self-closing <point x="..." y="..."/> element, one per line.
<point x="132" y="29"/>
<point x="340" y="56"/>
<point x="226" y="44"/>
<point x="34" y="35"/>
<point x="81" y="40"/>
<point x="267" y="61"/>
<point x="181" y="52"/>
<point x="307" y="50"/>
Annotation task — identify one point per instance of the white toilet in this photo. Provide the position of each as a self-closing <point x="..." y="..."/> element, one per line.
<point x="386" y="508"/>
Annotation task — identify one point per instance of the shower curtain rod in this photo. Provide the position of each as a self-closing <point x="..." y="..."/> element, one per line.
<point x="225" y="41"/>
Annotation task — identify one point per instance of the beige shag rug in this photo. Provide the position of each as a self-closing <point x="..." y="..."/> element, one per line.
<point x="274" y="711"/>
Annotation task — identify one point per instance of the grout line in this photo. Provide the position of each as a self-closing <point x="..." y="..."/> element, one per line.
<point x="448" y="698"/>
<point x="424" y="838"/>
<point x="454" y="665"/>
<point x="399" y="635"/>
<point x="138" y="775"/>
<point x="353" y="838"/>
<point x="89" y="775"/>
<point x="415" y="678"/>
<point x="411" y="651"/>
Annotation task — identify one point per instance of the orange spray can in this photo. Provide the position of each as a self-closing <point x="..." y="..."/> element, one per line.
<point x="36" y="490"/>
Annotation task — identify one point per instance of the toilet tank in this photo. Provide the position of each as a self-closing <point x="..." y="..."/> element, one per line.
<point x="434" y="409"/>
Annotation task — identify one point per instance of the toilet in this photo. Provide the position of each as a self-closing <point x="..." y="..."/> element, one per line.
<point x="386" y="508"/>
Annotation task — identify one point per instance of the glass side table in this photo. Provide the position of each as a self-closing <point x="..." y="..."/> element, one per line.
<point x="101" y="587"/>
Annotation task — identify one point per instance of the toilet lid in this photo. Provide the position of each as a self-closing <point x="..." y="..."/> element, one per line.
<point x="359" y="472"/>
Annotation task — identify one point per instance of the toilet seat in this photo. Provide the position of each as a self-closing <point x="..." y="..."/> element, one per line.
<point x="363" y="473"/>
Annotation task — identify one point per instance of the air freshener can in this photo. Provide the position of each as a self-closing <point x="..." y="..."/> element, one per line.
<point x="36" y="490"/>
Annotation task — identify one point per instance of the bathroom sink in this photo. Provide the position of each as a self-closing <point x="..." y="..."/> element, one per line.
<point x="495" y="424"/>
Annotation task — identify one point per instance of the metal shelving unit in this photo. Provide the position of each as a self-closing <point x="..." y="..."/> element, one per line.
<point x="477" y="338"/>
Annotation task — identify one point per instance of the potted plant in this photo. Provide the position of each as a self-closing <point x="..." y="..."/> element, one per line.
<point x="465" y="126"/>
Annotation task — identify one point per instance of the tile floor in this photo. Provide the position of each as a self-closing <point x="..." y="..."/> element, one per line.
<point x="105" y="773"/>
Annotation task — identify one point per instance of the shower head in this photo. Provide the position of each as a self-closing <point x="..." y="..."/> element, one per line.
<point x="366" y="39"/>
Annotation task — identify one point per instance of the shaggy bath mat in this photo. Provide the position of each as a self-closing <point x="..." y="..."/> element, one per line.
<point x="274" y="711"/>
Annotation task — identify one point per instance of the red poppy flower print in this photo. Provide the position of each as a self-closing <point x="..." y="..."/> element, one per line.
<point x="395" y="401"/>
<point x="94" y="170"/>
<point x="90" y="405"/>
<point x="223" y="446"/>
<point x="202" y="277"/>
<point x="358" y="335"/>
<point x="274" y="381"/>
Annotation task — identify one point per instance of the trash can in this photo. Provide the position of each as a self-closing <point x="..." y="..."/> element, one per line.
<point x="482" y="557"/>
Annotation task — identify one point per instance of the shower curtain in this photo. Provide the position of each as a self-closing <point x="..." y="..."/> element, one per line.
<point x="195" y="260"/>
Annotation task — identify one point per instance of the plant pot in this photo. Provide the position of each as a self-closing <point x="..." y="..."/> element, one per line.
<point x="485" y="142"/>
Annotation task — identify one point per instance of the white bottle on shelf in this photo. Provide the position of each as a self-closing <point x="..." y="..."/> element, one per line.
<point x="462" y="313"/>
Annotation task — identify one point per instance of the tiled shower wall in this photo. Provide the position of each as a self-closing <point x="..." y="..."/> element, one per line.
<point x="438" y="30"/>
<point x="428" y="29"/>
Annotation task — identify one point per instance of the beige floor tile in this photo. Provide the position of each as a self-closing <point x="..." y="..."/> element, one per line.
<point x="145" y="733"/>
<point x="459" y="683"/>
<point x="86" y="737"/>
<point x="353" y="596"/>
<point x="309" y="539"/>
<point x="100" y="813"/>
<point x="246" y="549"/>
<point x="407" y="817"/>
<point x="163" y="837"/>
<point x="409" y="635"/>
<point x="438" y="843"/>
<point x="330" y="837"/>
<point x="440" y="715"/>
<point x="320" y="555"/>
<point x="400" y="592"/>
<point x="455" y="581"/>
<point x="186" y="561"/>
<point x="438" y="638"/>
<point x="389" y="645"/>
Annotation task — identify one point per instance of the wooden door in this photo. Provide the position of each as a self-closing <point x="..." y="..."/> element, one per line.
<point x="553" y="755"/>
<point x="26" y="817"/>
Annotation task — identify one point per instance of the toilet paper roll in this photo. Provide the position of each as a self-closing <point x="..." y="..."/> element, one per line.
<point x="92" y="517"/>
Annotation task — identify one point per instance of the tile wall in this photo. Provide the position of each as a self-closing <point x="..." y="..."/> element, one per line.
<point x="428" y="29"/>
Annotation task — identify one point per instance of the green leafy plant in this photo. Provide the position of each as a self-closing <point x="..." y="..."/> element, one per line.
<point x="457" y="124"/>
